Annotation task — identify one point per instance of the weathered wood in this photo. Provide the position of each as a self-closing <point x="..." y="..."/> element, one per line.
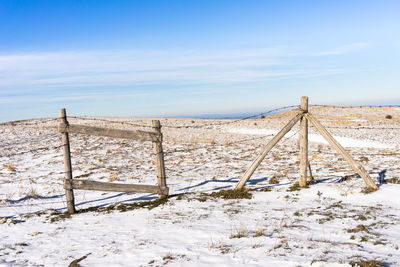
<point x="269" y="146"/>
<point x="353" y="164"/>
<point x="311" y="176"/>
<point x="89" y="130"/>
<point x="303" y="143"/>
<point x="158" y="151"/>
<point x="102" y="186"/>
<point x="69" y="193"/>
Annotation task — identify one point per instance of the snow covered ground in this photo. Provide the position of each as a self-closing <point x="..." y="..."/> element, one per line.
<point x="331" y="223"/>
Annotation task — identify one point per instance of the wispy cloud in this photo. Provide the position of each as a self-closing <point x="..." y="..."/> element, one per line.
<point x="131" y="67"/>
<point x="113" y="68"/>
<point x="98" y="75"/>
<point x="345" y="49"/>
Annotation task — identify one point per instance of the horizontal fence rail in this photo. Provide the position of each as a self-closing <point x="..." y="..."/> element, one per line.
<point x="126" y="134"/>
<point x="103" y="186"/>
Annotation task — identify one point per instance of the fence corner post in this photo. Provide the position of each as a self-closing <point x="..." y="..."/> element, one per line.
<point x="158" y="150"/>
<point x="69" y="193"/>
<point x="303" y="143"/>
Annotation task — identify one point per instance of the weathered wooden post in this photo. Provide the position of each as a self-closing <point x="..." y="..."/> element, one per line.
<point x="246" y="176"/>
<point x="69" y="193"/>
<point x="335" y="144"/>
<point x="158" y="150"/>
<point x="303" y="143"/>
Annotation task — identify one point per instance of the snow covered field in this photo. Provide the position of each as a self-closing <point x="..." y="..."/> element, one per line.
<point x="331" y="223"/>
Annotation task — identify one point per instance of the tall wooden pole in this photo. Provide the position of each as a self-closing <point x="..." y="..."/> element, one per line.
<point x="303" y="143"/>
<point x="158" y="150"/>
<point x="69" y="193"/>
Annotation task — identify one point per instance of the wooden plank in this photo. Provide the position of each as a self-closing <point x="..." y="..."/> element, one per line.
<point x="89" y="130"/>
<point x="158" y="150"/>
<point x="269" y="146"/>
<point x="69" y="193"/>
<point x="303" y="143"/>
<point x="115" y="187"/>
<point x="353" y="164"/>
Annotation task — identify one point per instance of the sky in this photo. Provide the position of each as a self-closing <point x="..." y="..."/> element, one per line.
<point x="191" y="58"/>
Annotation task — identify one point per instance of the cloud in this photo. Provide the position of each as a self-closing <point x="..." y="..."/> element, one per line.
<point x="68" y="71"/>
<point x="130" y="67"/>
<point x="343" y="49"/>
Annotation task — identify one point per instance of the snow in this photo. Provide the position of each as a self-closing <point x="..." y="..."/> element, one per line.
<point x="344" y="141"/>
<point x="328" y="224"/>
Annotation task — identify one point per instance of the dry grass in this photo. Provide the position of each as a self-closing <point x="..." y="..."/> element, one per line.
<point x="113" y="177"/>
<point x="167" y="258"/>
<point x="366" y="263"/>
<point x="295" y="187"/>
<point x="275" y="179"/>
<point x="359" y="228"/>
<point x="239" y="232"/>
<point x="259" y="232"/>
<point x="220" y="246"/>
<point x="32" y="193"/>
<point x="368" y="190"/>
<point x="9" y="167"/>
<point x="232" y="194"/>
<point x="276" y="156"/>
<point x="393" y="181"/>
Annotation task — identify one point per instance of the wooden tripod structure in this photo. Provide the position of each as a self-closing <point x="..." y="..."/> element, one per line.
<point x="304" y="117"/>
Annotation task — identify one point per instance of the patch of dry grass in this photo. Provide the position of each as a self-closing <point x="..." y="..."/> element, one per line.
<point x="9" y="167"/>
<point x="113" y="177"/>
<point x="32" y="193"/>
<point x="275" y="179"/>
<point x="232" y="194"/>
<point x="393" y="181"/>
<point x="296" y="187"/>
<point x="368" y="190"/>
<point x="220" y="246"/>
<point x="366" y="263"/>
<point x="239" y="232"/>
<point x="359" y="228"/>
<point x="259" y="232"/>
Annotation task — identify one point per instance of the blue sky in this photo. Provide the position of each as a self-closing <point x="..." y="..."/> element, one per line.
<point x="179" y="58"/>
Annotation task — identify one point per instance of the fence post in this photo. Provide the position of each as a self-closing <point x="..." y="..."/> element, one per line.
<point x="69" y="193"/>
<point x="353" y="164"/>
<point x="158" y="150"/>
<point x="246" y="176"/>
<point x="303" y="143"/>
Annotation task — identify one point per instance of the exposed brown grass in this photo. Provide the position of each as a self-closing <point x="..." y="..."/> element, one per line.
<point x="9" y="167"/>
<point x="239" y="232"/>
<point x="274" y="179"/>
<point x="295" y="187"/>
<point x="232" y="194"/>
<point x="368" y="190"/>
<point x="359" y="228"/>
<point x="366" y="263"/>
<point x="113" y="177"/>
<point x="393" y="181"/>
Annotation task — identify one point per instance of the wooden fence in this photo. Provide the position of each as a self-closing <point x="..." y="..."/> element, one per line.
<point x="70" y="184"/>
<point x="303" y="115"/>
